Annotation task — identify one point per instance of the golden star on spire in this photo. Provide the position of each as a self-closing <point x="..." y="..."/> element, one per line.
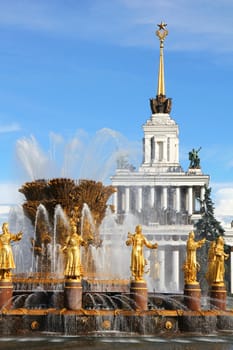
<point x="162" y="32"/>
<point x="162" y="26"/>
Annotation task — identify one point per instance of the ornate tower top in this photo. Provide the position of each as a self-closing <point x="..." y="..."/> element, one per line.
<point x="161" y="34"/>
<point x="161" y="104"/>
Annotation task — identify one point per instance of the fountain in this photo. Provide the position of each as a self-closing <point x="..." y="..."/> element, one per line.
<point x="73" y="289"/>
<point x="73" y="271"/>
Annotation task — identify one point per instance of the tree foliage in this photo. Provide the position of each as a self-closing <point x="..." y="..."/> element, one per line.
<point x="208" y="226"/>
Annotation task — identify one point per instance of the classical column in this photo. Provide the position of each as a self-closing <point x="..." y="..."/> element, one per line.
<point x="156" y="147"/>
<point x="152" y="151"/>
<point x="152" y="197"/>
<point x="178" y="199"/>
<point x="190" y="200"/>
<point x="165" y="151"/>
<point x="123" y="200"/>
<point x="115" y="201"/>
<point x="202" y="193"/>
<point x="139" y="201"/>
<point x="147" y="150"/>
<point x="175" y="266"/>
<point x="127" y="192"/>
<point x="164" y="205"/>
<point x="161" y="255"/>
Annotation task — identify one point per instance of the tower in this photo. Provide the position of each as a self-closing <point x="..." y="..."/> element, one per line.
<point x="161" y="141"/>
<point x="162" y="196"/>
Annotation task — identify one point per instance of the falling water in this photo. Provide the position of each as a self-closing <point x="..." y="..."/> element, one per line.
<point x="41" y="216"/>
<point x="21" y="250"/>
<point x="112" y="257"/>
<point x="86" y="215"/>
<point x="72" y="158"/>
<point x="59" y="217"/>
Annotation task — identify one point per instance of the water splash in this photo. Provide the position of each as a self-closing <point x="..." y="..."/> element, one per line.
<point x="34" y="161"/>
<point x="80" y="157"/>
<point x="40" y="231"/>
<point x="87" y="219"/>
<point x="21" y="250"/>
<point x="61" y="225"/>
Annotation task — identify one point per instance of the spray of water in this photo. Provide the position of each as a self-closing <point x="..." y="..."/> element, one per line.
<point x="80" y="157"/>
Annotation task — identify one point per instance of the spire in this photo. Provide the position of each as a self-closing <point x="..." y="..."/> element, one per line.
<point x="161" y="104"/>
<point x="161" y="34"/>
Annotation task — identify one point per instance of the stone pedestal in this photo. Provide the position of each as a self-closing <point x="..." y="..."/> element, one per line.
<point x="6" y="293"/>
<point x="139" y="295"/>
<point x="192" y="294"/>
<point x="218" y="296"/>
<point x="73" y="295"/>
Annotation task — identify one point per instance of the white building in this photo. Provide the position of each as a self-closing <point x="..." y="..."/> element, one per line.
<point x="160" y="193"/>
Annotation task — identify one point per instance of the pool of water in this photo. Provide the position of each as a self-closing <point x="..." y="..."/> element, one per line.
<point x="103" y="342"/>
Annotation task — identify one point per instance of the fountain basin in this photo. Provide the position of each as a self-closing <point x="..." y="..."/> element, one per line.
<point x="85" y="322"/>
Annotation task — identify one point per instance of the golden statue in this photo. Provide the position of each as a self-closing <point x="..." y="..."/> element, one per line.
<point x="71" y="248"/>
<point x="211" y="263"/>
<point x="220" y="257"/>
<point x="138" y="262"/>
<point x="191" y="265"/>
<point x="6" y="256"/>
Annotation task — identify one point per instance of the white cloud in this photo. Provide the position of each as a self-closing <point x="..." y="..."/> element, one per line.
<point x="9" y="194"/>
<point x="197" y="25"/>
<point x="4" y="209"/>
<point x="56" y="138"/>
<point x="4" y="213"/>
<point x="27" y="14"/>
<point x="223" y="200"/>
<point x="9" y="128"/>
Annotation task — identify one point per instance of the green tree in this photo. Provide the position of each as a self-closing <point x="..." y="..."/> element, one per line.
<point x="208" y="226"/>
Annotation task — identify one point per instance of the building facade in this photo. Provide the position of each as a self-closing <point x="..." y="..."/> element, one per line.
<point x="164" y="198"/>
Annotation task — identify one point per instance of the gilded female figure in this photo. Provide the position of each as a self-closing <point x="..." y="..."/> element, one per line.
<point x="211" y="263"/>
<point x="191" y="265"/>
<point x="220" y="257"/>
<point x="138" y="262"/>
<point x="6" y="256"/>
<point x="73" y="267"/>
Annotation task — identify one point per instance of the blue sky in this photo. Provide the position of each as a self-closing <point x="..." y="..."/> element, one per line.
<point x="76" y="76"/>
